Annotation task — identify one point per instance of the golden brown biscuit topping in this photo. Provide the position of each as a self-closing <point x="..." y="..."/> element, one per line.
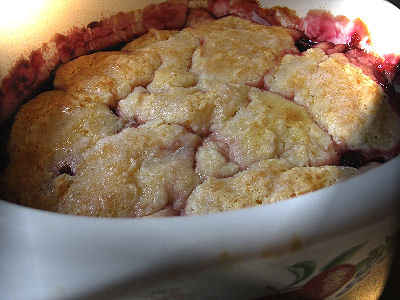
<point x="181" y="122"/>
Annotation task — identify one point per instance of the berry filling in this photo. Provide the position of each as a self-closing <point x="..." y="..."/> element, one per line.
<point x="243" y="104"/>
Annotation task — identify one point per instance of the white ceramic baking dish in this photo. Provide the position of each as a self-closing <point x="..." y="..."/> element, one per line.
<point x="338" y="234"/>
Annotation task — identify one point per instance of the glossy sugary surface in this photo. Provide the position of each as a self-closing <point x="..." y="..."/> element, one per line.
<point x="182" y="123"/>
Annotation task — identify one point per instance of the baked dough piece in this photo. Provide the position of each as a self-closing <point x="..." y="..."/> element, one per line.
<point x="176" y="57"/>
<point x="239" y="51"/>
<point x="344" y="101"/>
<point x="107" y="77"/>
<point x="197" y="108"/>
<point x="137" y="172"/>
<point x="274" y="127"/>
<point x="48" y="139"/>
<point x="263" y="182"/>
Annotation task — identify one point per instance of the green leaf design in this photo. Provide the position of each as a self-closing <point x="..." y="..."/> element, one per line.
<point x="374" y="255"/>
<point x="345" y="255"/>
<point x="377" y="252"/>
<point x="363" y="263"/>
<point x="302" y="270"/>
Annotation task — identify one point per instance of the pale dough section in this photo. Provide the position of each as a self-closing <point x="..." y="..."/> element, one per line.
<point x="344" y="101"/>
<point x="262" y="183"/>
<point x="274" y="127"/>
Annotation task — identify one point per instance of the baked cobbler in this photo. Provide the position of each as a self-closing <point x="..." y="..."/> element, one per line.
<point x="221" y="115"/>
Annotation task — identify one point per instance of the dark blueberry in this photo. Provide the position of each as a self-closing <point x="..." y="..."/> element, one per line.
<point x="304" y="44"/>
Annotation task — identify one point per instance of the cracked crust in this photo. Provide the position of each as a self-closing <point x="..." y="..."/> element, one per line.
<point x="50" y="132"/>
<point x="178" y="122"/>
<point x="239" y="51"/>
<point x="264" y="182"/>
<point x="135" y="173"/>
<point x="107" y="77"/>
<point x="274" y="127"/>
<point x="343" y="100"/>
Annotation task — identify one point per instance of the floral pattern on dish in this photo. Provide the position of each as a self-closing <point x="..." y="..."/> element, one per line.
<point x="336" y="276"/>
